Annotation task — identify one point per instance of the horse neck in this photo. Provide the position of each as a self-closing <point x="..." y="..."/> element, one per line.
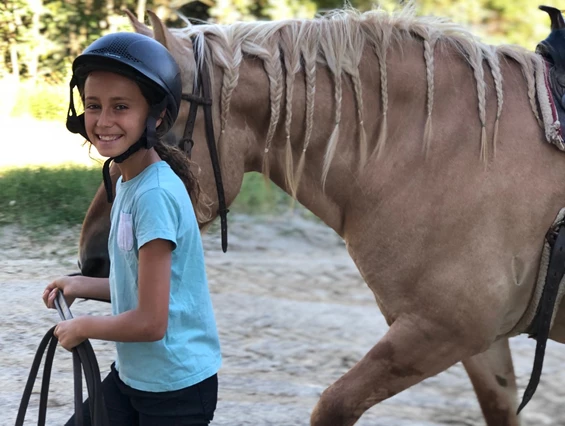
<point x="323" y="187"/>
<point x="249" y="126"/>
<point x="391" y="135"/>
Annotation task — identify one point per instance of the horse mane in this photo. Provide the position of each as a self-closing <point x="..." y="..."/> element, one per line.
<point x="336" y="40"/>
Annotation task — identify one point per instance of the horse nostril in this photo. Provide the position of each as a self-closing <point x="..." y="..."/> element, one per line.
<point x="95" y="267"/>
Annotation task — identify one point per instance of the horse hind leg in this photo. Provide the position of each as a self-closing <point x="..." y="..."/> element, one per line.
<point x="412" y="350"/>
<point x="492" y="376"/>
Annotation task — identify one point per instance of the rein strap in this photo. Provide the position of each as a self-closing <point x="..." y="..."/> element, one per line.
<point x="202" y="95"/>
<point x="83" y="356"/>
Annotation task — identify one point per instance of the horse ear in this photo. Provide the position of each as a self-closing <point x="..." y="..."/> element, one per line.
<point x="162" y="34"/>
<point x="139" y="27"/>
<point x="557" y="21"/>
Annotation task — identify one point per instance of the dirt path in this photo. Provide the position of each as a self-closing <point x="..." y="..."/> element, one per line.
<point x="293" y="316"/>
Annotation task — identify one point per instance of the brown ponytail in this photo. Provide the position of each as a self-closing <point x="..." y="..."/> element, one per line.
<point x="181" y="165"/>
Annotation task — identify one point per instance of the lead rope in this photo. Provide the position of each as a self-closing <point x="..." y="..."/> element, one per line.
<point x="83" y="356"/>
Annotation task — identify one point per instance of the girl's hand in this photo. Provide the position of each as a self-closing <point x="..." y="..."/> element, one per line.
<point x="65" y="284"/>
<point x="69" y="333"/>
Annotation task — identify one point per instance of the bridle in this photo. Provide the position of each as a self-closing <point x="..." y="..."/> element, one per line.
<point x="202" y="95"/>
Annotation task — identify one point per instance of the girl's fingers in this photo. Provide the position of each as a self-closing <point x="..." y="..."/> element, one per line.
<point x="52" y="298"/>
<point x="46" y="295"/>
<point x="49" y="297"/>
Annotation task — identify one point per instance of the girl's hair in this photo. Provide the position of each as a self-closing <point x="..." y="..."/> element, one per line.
<point x="181" y="165"/>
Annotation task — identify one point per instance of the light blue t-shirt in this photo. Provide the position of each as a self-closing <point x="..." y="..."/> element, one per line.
<point x="152" y="205"/>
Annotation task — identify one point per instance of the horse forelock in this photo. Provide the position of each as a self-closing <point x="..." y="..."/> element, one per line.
<point x="336" y="40"/>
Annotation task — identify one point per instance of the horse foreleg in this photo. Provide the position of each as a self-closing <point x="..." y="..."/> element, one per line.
<point x="492" y="375"/>
<point x="412" y="350"/>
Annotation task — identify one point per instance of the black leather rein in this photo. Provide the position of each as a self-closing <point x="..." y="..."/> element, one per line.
<point x="202" y="95"/>
<point x="83" y="357"/>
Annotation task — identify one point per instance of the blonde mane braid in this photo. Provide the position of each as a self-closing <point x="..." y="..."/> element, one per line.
<point x="528" y="71"/>
<point x="380" y="37"/>
<point x="290" y="45"/>
<point x="429" y="46"/>
<point x="429" y="38"/>
<point x="337" y="42"/>
<point x="308" y="51"/>
<point x="494" y="64"/>
<point x="475" y="58"/>
<point x="228" y="56"/>
<point x="333" y="49"/>
<point x="477" y="65"/>
<point x="353" y="53"/>
<point x="270" y="55"/>
<point x="474" y="54"/>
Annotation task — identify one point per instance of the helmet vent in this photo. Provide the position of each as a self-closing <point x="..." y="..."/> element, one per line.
<point x="118" y="48"/>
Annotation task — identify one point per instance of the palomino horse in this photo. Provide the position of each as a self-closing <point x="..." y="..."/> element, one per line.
<point x="425" y="149"/>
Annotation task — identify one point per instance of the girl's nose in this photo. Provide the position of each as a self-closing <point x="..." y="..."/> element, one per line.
<point x="105" y="118"/>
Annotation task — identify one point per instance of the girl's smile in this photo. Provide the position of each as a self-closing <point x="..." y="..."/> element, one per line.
<point x="105" y="142"/>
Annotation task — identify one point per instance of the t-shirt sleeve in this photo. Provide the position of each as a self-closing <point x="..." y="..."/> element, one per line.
<point x="156" y="217"/>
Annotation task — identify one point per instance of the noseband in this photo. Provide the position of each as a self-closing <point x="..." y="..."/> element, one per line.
<point x="202" y="95"/>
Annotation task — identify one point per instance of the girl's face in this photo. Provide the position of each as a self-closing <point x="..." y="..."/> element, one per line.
<point x="115" y="112"/>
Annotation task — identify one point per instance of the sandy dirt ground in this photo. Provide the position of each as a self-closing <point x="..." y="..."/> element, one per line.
<point x="293" y="316"/>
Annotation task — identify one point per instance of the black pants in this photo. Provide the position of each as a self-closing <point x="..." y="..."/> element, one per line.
<point x="194" y="405"/>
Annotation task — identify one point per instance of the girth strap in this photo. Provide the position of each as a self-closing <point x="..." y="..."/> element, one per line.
<point x="542" y="322"/>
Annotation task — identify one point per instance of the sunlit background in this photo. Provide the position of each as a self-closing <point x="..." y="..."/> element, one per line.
<point x="40" y="38"/>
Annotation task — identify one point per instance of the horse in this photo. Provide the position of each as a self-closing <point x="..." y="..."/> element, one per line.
<point x="432" y="154"/>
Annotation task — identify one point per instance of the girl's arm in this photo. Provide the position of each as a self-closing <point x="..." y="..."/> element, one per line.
<point x="77" y="286"/>
<point x="148" y="322"/>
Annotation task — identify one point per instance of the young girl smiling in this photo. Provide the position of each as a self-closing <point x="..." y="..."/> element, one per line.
<point x="168" y="352"/>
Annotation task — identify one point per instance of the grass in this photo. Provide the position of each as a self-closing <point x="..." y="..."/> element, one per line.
<point x="41" y="198"/>
<point x="258" y="197"/>
<point x="38" y="197"/>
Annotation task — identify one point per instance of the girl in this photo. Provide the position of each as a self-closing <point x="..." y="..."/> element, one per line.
<point x="163" y="324"/>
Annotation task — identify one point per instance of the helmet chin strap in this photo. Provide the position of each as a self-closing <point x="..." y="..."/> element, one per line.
<point x="147" y="141"/>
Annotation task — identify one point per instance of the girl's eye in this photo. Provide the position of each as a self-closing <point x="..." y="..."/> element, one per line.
<point x="92" y="106"/>
<point x="121" y="107"/>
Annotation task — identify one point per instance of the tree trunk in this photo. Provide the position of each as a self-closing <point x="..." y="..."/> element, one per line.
<point x="112" y="24"/>
<point x="14" y="60"/>
<point x="141" y="5"/>
<point x="33" y="62"/>
<point x="3" y="64"/>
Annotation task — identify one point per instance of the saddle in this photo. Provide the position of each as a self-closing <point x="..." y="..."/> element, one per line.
<point x="552" y="49"/>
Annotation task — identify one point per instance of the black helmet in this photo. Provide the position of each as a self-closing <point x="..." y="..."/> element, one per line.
<point x="144" y="60"/>
<point x="133" y="55"/>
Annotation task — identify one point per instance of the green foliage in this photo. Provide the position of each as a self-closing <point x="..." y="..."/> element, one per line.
<point x="42" y="101"/>
<point x="63" y="28"/>
<point x="40" y="198"/>
<point x="45" y="35"/>
<point x="260" y="196"/>
<point x="277" y="9"/>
